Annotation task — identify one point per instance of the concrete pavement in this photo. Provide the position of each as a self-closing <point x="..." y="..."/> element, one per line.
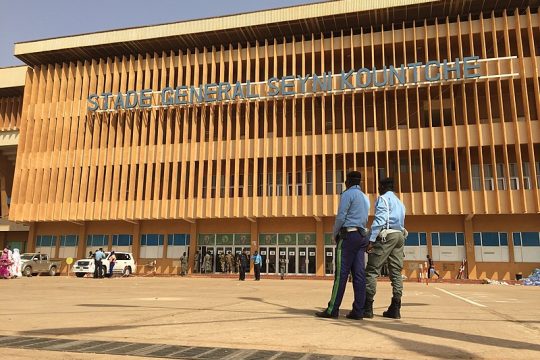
<point x="439" y="320"/>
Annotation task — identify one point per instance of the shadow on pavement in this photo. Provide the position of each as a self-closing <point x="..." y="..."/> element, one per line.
<point x="380" y="327"/>
<point x="418" y="329"/>
<point x="455" y="335"/>
<point x="427" y="349"/>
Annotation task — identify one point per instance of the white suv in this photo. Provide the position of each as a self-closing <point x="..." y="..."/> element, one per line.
<point x="125" y="265"/>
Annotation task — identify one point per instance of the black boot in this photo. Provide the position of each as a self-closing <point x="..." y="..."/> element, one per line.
<point x="368" y="309"/>
<point x="394" y="309"/>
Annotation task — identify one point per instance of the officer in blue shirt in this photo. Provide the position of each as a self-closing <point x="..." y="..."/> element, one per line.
<point x="351" y="242"/>
<point x="386" y="245"/>
<point x="257" y="262"/>
<point x="98" y="257"/>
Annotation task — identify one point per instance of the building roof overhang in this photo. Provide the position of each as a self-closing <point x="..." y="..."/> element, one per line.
<point x="12" y="80"/>
<point x="321" y="17"/>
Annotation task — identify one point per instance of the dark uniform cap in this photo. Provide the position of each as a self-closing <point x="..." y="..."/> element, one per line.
<point x="354" y="175"/>
<point x="387" y="183"/>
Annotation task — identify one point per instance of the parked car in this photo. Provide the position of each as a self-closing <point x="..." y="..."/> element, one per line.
<point x="125" y="265"/>
<point x="36" y="263"/>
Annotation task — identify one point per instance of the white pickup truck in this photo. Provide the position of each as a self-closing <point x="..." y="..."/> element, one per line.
<point x="125" y="265"/>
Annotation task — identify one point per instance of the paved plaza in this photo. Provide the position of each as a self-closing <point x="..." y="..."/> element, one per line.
<point x="212" y="318"/>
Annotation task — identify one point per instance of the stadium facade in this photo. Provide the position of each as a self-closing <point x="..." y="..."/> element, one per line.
<point x="236" y="132"/>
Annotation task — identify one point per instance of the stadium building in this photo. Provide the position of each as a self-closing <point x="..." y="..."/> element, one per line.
<point x="237" y="132"/>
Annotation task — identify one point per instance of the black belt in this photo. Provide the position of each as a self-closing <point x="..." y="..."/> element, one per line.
<point x="363" y="232"/>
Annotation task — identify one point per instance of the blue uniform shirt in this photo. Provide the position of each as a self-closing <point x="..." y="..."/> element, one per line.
<point x="257" y="259"/>
<point x="353" y="209"/>
<point x="395" y="216"/>
<point x="99" y="255"/>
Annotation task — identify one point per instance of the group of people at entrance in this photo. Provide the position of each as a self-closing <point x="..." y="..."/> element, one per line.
<point x="384" y="243"/>
<point x="228" y="263"/>
<point x="10" y="264"/>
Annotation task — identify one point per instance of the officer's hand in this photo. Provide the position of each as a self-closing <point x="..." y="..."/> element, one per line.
<point x="369" y="247"/>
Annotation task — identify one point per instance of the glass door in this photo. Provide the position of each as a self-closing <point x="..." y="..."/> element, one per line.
<point x="263" y="251"/>
<point x="200" y="258"/>
<point x="283" y="260"/>
<point x="329" y="264"/>
<point x="272" y="260"/>
<point x="311" y="260"/>
<point x="292" y="257"/>
<point x="212" y="252"/>
<point x="236" y="254"/>
<point x="302" y="260"/>
<point x="220" y="259"/>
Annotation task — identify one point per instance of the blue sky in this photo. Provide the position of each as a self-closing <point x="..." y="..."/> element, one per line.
<point x="24" y="20"/>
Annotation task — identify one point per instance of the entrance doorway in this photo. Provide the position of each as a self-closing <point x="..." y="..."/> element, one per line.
<point x="329" y="255"/>
<point x="218" y="246"/>
<point x="297" y="250"/>
<point x="329" y="260"/>
<point x="269" y="258"/>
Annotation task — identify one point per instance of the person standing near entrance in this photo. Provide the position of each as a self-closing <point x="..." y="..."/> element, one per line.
<point x="183" y="264"/>
<point x="229" y="262"/>
<point x="386" y="245"/>
<point x="282" y="267"/>
<point x="350" y="234"/>
<point x="207" y="263"/>
<point x="196" y="263"/>
<point x="257" y="262"/>
<point x="243" y="264"/>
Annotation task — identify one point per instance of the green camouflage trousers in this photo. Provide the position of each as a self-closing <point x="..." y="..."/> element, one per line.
<point x="391" y="251"/>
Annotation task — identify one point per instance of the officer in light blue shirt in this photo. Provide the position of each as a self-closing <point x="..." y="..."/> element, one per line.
<point x="98" y="257"/>
<point x="389" y="213"/>
<point x="257" y="263"/>
<point x="351" y="243"/>
<point x="386" y="246"/>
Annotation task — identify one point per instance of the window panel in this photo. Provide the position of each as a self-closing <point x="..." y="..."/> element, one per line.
<point x="152" y="245"/>
<point x="423" y="238"/>
<point x="412" y="239"/>
<point x="530" y="239"/>
<point x="447" y="239"/>
<point x="503" y="237"/>
<point x="177" y="239"/>
<point x="490" y="239"/>
<point x="460" y="238"/>
<point x="69" y="240"/>
<point x="517" y="238"/>
<point x="97" y="240"/>
<point x="435" y="239"/>
<point x="122" y="240"/>
<point x="477" y="239"/>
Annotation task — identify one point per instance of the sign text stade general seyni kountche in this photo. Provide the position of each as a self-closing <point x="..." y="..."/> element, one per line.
<point x="289" y="85"/>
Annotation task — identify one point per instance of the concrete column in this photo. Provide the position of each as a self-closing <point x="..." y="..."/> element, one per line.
<point x="57" y="247"/>
<point x="31" y="246"/>
<point x="320" y="247"/>
<point x="254" y="246"/>
<point x="3" y="197"/>
<point x="136" y="246"/>
<point x="192" y="246"/>
<point x="469" y="247"/>
<point x="81" y="249"/>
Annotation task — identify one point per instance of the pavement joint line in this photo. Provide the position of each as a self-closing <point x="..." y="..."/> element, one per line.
<point x="150" y="349"/>
<point x="66" y="346"/>
<point x="461" y="298"/>
<point x="39" y="342"/>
